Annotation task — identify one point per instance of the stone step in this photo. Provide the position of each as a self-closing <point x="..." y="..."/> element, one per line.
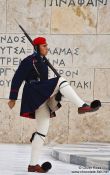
<point x="90" y="154"/>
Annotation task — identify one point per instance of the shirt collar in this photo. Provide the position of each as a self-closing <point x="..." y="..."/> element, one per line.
<point x="36" y="54"/>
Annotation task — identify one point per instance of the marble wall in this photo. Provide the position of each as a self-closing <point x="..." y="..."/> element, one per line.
<point x="79" y="48"/>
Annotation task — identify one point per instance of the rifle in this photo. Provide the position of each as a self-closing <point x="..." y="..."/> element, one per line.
<point x="35" y="47"/>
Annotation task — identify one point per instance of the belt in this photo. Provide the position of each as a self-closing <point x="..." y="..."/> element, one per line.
<point x="31" y="81"/>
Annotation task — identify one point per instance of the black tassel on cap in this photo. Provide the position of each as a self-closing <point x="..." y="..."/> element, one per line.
<point x="46" y="166"/>
<point x="96" y="104"/>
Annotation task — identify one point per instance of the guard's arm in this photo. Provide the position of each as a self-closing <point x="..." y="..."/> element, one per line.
<point x="19" y="76"/>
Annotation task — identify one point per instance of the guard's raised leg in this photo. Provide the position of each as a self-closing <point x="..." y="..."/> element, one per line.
<point x="68" y="92"/>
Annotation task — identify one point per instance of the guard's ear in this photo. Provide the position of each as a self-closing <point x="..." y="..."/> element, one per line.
<point x="37" y="48"/>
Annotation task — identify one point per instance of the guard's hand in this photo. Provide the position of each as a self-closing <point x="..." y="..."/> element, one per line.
<point x="11" y="103"/>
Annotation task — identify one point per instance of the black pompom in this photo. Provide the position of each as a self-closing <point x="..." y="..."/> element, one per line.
<point x="46" y="166"/>
<point x="95" y="104"/>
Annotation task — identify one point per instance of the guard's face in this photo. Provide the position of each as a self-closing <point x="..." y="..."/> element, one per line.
<point x="43" y="49"/>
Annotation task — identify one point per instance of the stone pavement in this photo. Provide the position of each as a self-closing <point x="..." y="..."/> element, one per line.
<point x="14" y="159"/>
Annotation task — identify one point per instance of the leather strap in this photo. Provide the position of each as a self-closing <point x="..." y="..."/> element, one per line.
<point x="62" y="82"/>
<point x="40" y="134"/>
<point x="34" y="134"/>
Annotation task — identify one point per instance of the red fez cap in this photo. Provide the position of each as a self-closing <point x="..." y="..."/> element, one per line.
<point x="39" y="40"/>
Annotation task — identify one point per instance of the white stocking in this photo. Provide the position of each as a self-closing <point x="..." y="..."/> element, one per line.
<point x="42" y="118"/>
<point x="69" y="92"/>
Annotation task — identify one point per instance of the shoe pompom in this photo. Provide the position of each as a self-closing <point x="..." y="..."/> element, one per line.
<point x="46" y="166"/>
<point x="95" y="104"/>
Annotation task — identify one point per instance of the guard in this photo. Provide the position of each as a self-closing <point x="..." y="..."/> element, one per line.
<point x="41" y="97"/>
